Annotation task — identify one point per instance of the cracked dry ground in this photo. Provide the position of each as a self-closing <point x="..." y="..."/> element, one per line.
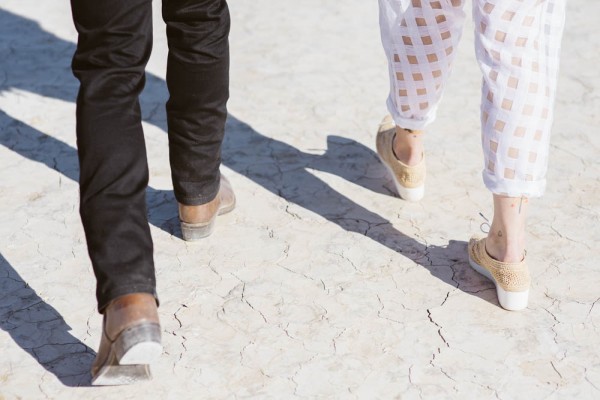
<point x="321" y="284"/>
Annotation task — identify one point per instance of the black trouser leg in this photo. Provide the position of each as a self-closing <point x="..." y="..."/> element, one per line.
<point x="198" y="82"/>
<point x="115" y="40"/>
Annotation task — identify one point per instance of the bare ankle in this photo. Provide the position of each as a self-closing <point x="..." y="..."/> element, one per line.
<point x="408" y="146"/>
<point x="502" y="247"/>
<point x="506" y="239"/>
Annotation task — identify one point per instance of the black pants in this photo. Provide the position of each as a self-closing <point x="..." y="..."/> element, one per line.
<point x="115" y="40"/>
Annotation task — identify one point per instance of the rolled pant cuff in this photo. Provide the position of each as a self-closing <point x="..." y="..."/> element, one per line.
<point x="513" y="187"/>
<point x="208" y="194"/>
<point x="410" y="123"/>
<point x="106" y="298"/>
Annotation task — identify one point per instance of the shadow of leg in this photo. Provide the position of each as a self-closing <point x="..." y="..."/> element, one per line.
<point x="41" y="331"/>
<point x="356" y="163"/>
<point x="283" y="170"/>
<point x="58" y="155"/>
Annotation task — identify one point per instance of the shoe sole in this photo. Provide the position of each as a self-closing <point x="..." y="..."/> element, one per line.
<point x="116" y="375"/>
<point x="130" y="356"/>
<point x="193" y="232"/>
<point x="511" y="301"/>
<point x="408" y="194"/>
<point x="138" y="345"/>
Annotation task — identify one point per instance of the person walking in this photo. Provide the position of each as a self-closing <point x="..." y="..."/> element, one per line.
<point x="517" y="47"/>
<point x="114" y="44"/>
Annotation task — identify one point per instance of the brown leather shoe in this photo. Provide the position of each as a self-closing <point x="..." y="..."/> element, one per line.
<point x="198" y="222"/>
<point x="130" y="341"/>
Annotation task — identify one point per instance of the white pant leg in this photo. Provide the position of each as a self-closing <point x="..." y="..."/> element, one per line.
<point x="517" y="45"/>
<point x="419" y="38"/>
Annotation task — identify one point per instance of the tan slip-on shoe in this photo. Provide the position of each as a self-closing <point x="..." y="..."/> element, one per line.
<point x="198" y="222"/>
<point x="512" y="280"/>
<point x="130" y="341"/>
<point x="409" y="180"/>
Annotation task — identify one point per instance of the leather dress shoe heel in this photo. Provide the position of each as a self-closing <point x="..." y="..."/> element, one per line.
<point x="130" y="341"/>
<point x="198" y="222"/>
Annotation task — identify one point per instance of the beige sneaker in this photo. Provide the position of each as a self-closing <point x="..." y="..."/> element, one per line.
<point x="409" y="180"/>
<point x="512" y="280"/>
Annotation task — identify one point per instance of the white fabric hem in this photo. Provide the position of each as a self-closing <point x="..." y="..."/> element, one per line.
<point x="414" y="124"/>
<point x="512" y="187"/>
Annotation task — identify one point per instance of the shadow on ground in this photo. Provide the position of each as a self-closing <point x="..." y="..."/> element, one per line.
<point x="37" y="61"/>
<point x="41" y="331"/>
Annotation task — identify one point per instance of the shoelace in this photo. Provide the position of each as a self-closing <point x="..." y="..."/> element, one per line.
<point x="485" y="224"/>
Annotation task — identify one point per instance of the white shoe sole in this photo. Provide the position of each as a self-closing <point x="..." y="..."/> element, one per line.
<point x="512" y="301"/>
<point x="412" y="194"/>
<point x="115" y="374"/>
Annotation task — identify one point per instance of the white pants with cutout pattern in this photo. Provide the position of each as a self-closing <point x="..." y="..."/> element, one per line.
<point x="517" y="47"/>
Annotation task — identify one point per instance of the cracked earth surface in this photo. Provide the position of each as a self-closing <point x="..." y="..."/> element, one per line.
<point x="322" y="283"/>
